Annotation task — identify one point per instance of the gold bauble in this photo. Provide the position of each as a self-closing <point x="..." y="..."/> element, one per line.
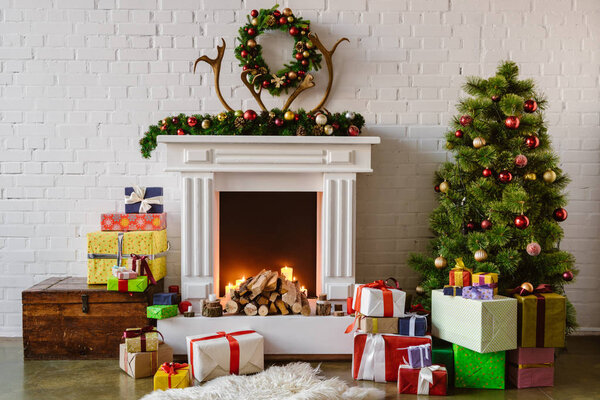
<point x="328" y="130"/>
<point x="419" y="289"/>
<point x="290" y="19"/>
<point x="530" y="176"/>
<point x="287" y="12"/>
<point x="251" y="43"/>
<point x="306" y="54"/>
<point x="441" y="262"/>
<point x="222" y="116"/>
<point x="444" y="187"/>
<point x="206" y="124"/>
<point x="321" y="119"/>
<point x="289" y="115"/>
<point x="481" y="255"/>
<point x="309" y="45"/>
<point x="449" y="146"/>
<point x="292" y="75"/>
<point x="165" y="121"/>
<point x="527" y="286"/>
<point x="549" y="176"/>
<point x="254" y="21"/>
<point x="478" y="142"/>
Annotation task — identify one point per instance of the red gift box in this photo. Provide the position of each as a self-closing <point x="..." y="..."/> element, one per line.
<point x="133" y="222"/>
<point x="531" y="367"/>
<point x="432" y="380"/>
<point x="377" y="357"/>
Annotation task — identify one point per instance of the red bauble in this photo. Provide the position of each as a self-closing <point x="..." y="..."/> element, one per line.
<point x="299" y="56"/>
<point x="180" y="132"/>
<point x="163" y="128"/>
<point x="466" y="120"/>
<point x="505" y="177"/>
<point x="567" y="276"/>
<point x="521" y="221"/>
<point x="437" y="188"/>
<point x="301" y="73"/>
<point x="294" y="31"/>
<point x="183" y="306"/>
<point x="265" y="84"/>
<point x="254" y="13"/>
<point x="486" y="224"/>
<point x="560" y="214"/>
<point x="335" y="125"/>
<point x="244" y="53"/>
<point x="283" y="21"/>
<point x="305" y="63"/>
<point x="486" y="172"/>
<point x="250" y="115"/>
<point x="245" y="68"/>
<point x="277" y="13"/>
<point x="530" y="106"/>
<point x="495" y="98"/>
<point x="471" y="225"/>
<point x="297" y="118"/>
<point x="532" y="141"/>
<point x="251" y="31"/>
<point x="353" y="130"/>
<point x="278" y="122"/>
<point x="512" y="122"/>
<point x="192" y="121"/>
<point x="175" y="121"/>
<point x="520" y="161"/>
<point x="458" y="133"/>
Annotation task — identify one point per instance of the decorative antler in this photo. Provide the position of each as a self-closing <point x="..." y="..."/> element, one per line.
<point x="216" y="66"/>
<point x="306" y="83"/>
<point x="250" y="86"/>
<point x="327" y="55"/>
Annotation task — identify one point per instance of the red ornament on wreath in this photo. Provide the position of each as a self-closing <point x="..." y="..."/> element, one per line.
<point x="512" y="122"/>
<point x="278" y="122"/>
<point x="353" y="130"/>
<point x="530" y="106"/>
<point x="486" y="224"/>
<point x="466" y="120"/>
<point x="486" y="172"/>
<point x="520" y="161"/>
<point x="192" y="121"/>
<point x="505" y="177"/>
<point x="521" y="221"/>
<point x="294" y="31"/>
<point x="180" y="132"/>
<point x="560" y="214"/>
<point x="250" y="115"/>
<point x="254" y="13"/>
<point x="532" y="141"/>
<point x="436" y="188"/>
<point x="163" y="128"/>
<point x="175" y="121"/>
<point x="567" y="276"/>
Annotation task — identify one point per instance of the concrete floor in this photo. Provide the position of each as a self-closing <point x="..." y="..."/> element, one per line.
<point x="577" y="377"/>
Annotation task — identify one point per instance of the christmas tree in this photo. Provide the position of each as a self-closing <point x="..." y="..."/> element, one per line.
<point x="501" y="200"/>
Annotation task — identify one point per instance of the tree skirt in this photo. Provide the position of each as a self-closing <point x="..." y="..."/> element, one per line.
<point x="297" y="381"/>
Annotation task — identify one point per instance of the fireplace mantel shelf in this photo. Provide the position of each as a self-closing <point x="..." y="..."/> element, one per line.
<point x="269" y="139"/>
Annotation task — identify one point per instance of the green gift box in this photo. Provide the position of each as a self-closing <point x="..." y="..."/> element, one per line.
<point x="161" y="311"/>
<point x="442" y="353"/>
<point x="478" y="370"/>
<point x="138" y="284"/>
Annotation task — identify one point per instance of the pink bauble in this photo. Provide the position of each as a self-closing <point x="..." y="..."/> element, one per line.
<point x="534" y="249"/>
<point x="520" y="161"/>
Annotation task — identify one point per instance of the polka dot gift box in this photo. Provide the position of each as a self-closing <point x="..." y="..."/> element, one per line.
<point x="478" y="370"/>
<point x="133" y="222"/>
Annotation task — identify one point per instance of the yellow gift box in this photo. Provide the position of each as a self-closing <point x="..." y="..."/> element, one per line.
<point x="140" y="340"/>
<point x="542" y="320"/>
<point x="106" y="248"/>
<point x="172" y="376"/>
<point x="486" y="278"/>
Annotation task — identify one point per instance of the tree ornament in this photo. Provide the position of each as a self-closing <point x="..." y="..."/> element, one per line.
<point x="353" y="130"/>
<point x="250" y="115"/>
<point x="328" y="130"/>
<point x="530" y="176"/>
<point x="505" y="176"/>
<point x="294" y="31"/>
<point x="287" y="12"/>
<point x="532" y="141"/>
<point x="437" y="188"/>
<point x="321" y="119"/>
<point x="549" y="176"/>
<point x="530" y="106"/>
<point x="567" y="276"/>
<point x="486" y="172"/>
<point x="254" y="13"/>
<point x="175" y="121"/>
<point x="527" y="286"/>
<point x="252" y="32"/>
<point x="180" y="132"/>
<point x="521" y="221"/>
<point x="222" y="117"/>
<point x="292" y="75"/>
<point x="520" y="161"/>
<point x="238" y="113"/>
<point x="466" y="120"/>
<point x="444" y="187"/>
<point x="512" y="122"/>
<point x="304" y="63"/>
<point x="306" y="53"/>
<point x="349" y="114"/>
<point x="440" y="262"/>
<point x="480" y="255"/>
<point x="290" y="19"/>
<point x="192" y="121"/>
<point x="277" y="13"/>
<point x="478" y="142"/>
<point x="282" y="20"/>
<point x="560" y="214"/>
<point x="244" y="53"/>
<point x="251" y="43"/>
<point x="254" y="21"/>
<point x="486" y="224"/>
<point x="278" y="122"/>
<point x="163" y="128"/>
<point x="239" y="122"/>
<point x="534" y="249"/>
<point x="495" y="98"/>
<point x="205" y="124"/>
<point x="471" y="225"/>
<point x="458" y="133"/>
<point x="419" y="289"/>
<point x="317" y="130"/>
<point x="289" y="115"/>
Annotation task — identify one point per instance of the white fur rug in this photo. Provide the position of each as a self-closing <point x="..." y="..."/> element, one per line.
<point x="296" y="381"/>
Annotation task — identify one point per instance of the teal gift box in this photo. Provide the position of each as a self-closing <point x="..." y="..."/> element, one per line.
<point x="161" y="311"/>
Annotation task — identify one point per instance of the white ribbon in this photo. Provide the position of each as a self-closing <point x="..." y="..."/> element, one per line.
<point x="426" y="378"/>
<point x="372" y="363"/>
<point x="137" y="196"/>
<point x="412" y="324"/>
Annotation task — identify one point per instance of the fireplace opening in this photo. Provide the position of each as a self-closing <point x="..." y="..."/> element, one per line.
<point x="268" y="230"/>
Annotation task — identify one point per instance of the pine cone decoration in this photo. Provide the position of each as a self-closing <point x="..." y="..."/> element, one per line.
<point x="317" y="130"/>
<point x="239" y="122"/>
<point x="299" y="47"/>
<point x="300" y="131"/>
<point x="270" y="20"/>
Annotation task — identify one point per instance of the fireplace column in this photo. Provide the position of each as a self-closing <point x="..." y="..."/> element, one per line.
<point x="197" y="235"/>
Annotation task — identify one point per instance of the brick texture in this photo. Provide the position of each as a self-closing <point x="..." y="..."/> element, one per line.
<point x="81" y="80"/>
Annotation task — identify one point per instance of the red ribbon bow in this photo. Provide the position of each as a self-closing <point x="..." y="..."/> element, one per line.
<point x="542" y="288"/>
<point x="171" y="369"/>
<point x="144" y="267"/>
<point x="418" y="308"/>
<point x="388" y="300"/>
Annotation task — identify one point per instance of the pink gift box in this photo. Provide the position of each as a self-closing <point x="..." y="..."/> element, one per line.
<point x="127" y="275"/>
<point x="531" y="367"/>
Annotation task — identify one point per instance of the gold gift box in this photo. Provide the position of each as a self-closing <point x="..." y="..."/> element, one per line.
<point x="554" y="320"/>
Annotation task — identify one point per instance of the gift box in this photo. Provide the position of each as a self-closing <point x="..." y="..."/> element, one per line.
<point x="141" y="200"/>
<point x="378" y="300"/>
<point x="478" y="370"/>
<point x="138" y="284"/>
<point x="105" y="249"/>
<point x="412" y="325"/>
<point x="161" y="311"/>
<point x="460" y="275"/>
<point x="484" y="292"/>
<point x="486" y="278"/>
<point x="483" y="326"/>
<point x="443" y="354"/>
<point x="165" y="298"/>
<point x="531" y="367"/>
<point x="376" y="357"/>
<point x="452" y="290"/>
<point x="432" y="380"/>
<point x="128" y="275"/>
<point x="378" y="325"/>
<point x="542" y="320"/>
<point x="172" y="376"/>
<point x="419" y="356"/>
<point x="141" y="339"/>
<point x="214" y="355"/>
<point x="142" y="365"/>
<point x="133" y="222"/>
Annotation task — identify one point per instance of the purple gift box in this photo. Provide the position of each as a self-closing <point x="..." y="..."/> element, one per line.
<point x="419" y="356"/>
<point x="140" y="200"/>
<point x="481" y="292"/>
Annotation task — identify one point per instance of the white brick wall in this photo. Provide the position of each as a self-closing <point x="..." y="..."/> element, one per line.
<point x="80" y="80"/>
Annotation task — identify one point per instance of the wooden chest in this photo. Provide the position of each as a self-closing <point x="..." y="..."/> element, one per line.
<point x="65" y="318"/>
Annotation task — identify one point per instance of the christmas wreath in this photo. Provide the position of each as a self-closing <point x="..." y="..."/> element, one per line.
<point x="249" y="52"/>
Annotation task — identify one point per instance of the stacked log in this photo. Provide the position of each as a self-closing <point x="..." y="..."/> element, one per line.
<point x="268" y="293"/>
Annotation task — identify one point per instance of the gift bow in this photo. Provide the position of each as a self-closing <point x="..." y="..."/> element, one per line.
<point x="137" y="196"/>
<point x="460" y="264"/>
<point x="542" y="288"/>
<point x="426" y="378"/>
<point x="171" y="367"/>
<point x="144" y="267"/>
<point x="417" y="308"/>
<point x="388" y="300"/>
<point x="372" y="363"/>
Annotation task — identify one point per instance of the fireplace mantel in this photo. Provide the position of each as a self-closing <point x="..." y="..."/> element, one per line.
<point x="323" y="164"/>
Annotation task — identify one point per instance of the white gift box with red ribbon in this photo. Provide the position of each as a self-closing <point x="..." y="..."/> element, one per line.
<point x="379" y="300"/>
